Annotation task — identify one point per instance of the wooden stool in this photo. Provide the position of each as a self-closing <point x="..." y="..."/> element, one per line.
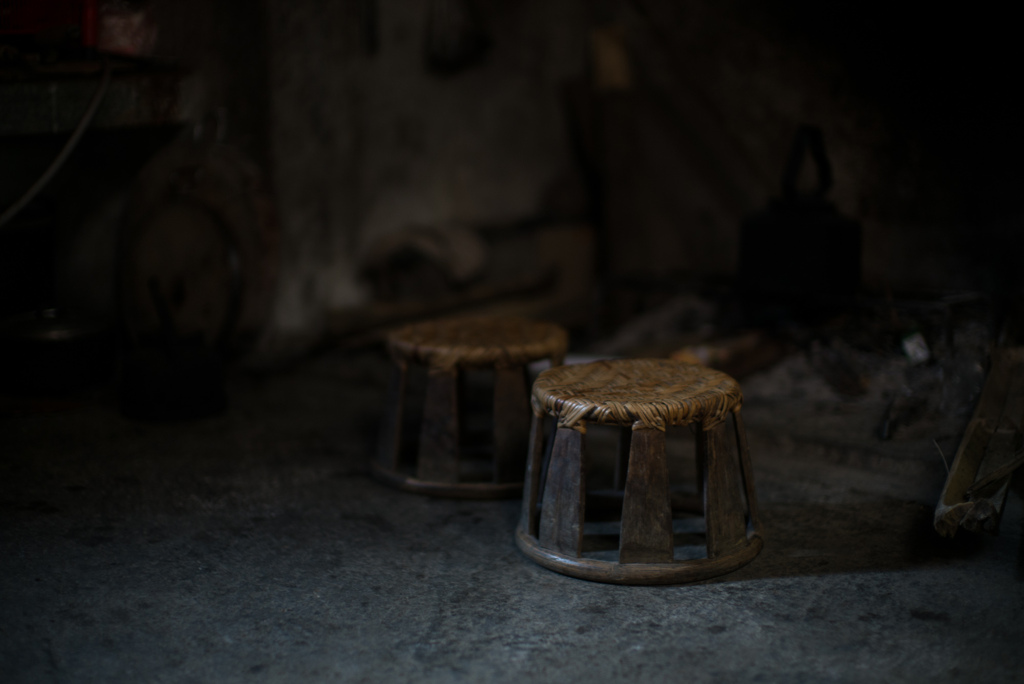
<point x="646" y="396"/>
<point x="446" y="348"/>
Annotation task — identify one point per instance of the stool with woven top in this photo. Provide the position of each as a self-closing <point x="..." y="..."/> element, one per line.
<point x="439" y="464"/>
<point x="643" y="397"/>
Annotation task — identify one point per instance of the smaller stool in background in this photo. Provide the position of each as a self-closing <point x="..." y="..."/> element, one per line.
<point x="443" y="463"/>
<point x="643" y="398"/>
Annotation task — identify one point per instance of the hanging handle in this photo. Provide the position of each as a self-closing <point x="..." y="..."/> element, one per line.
<point x="808" y="139"/>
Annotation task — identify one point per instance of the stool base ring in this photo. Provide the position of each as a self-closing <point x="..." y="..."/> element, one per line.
<point x="676" y="572"/>
<point x="450" y="490"/>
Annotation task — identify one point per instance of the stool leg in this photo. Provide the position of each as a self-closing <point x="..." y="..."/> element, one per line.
<point x="391" y="426"/>
<point x="723" y="509"/>
<point x="747" y="470"/>
<point x="699" y="461"/>
<point x="531" y="482"/>
<point x="511" y="423"/>
<point x="646" y="530"/>
<point x="562" y="508"/>
<point x="622" y="462"/>
<point x="438" y="459"/>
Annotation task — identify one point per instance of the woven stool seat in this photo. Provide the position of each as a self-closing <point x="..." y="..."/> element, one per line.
<point x="652" y="392"/>
<point x="446" y="344"/>
<point x="446" y="348"/>
<point x="643" y="397"/>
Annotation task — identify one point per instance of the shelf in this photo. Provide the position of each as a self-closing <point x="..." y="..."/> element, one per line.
<point x="53" y="101"/>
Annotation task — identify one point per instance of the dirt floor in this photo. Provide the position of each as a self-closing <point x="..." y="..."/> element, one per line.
<point x="255" y="547"/>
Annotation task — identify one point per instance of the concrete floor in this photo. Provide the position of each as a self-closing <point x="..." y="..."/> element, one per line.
<point x="254" y="547"/>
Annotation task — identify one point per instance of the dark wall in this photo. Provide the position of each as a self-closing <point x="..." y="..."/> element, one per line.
<point x="916" y="109"/>
<point x="225" y="44"/>
<point x="358" y="137"/>
<point x="367" y="139"/>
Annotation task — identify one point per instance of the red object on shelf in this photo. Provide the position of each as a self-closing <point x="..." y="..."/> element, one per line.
<point x="26" y="17"/>
<point x="90" y="22"/>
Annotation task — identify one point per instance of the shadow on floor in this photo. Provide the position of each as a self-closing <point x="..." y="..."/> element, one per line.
<point x="816" y="539"/>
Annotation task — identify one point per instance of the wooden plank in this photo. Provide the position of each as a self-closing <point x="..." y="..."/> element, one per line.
<point x="390" y="441"/>
<point x="953" y="504"/>
<point x="511" y="423"/>
<point x="997" y="384"/>
<point x="622" y="458"/>
<point x="439" y="435"/>
<point x="746" y="470"/>
<point x="531" y="483"/>
<point x="723" y="508"/>
<point x="562" y="508"/>
<point x="987" y="509"/>
<point x="1002" y="455"/>
<point x="646" y="530"/>
<point x="984" y="482"/>
<point x="1003" y="448"/>
<point x="990" y="442"/>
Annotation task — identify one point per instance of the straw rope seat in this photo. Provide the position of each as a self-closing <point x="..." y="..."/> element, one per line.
<point x="441" y="464"/>
<point x="645" y="397"/>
